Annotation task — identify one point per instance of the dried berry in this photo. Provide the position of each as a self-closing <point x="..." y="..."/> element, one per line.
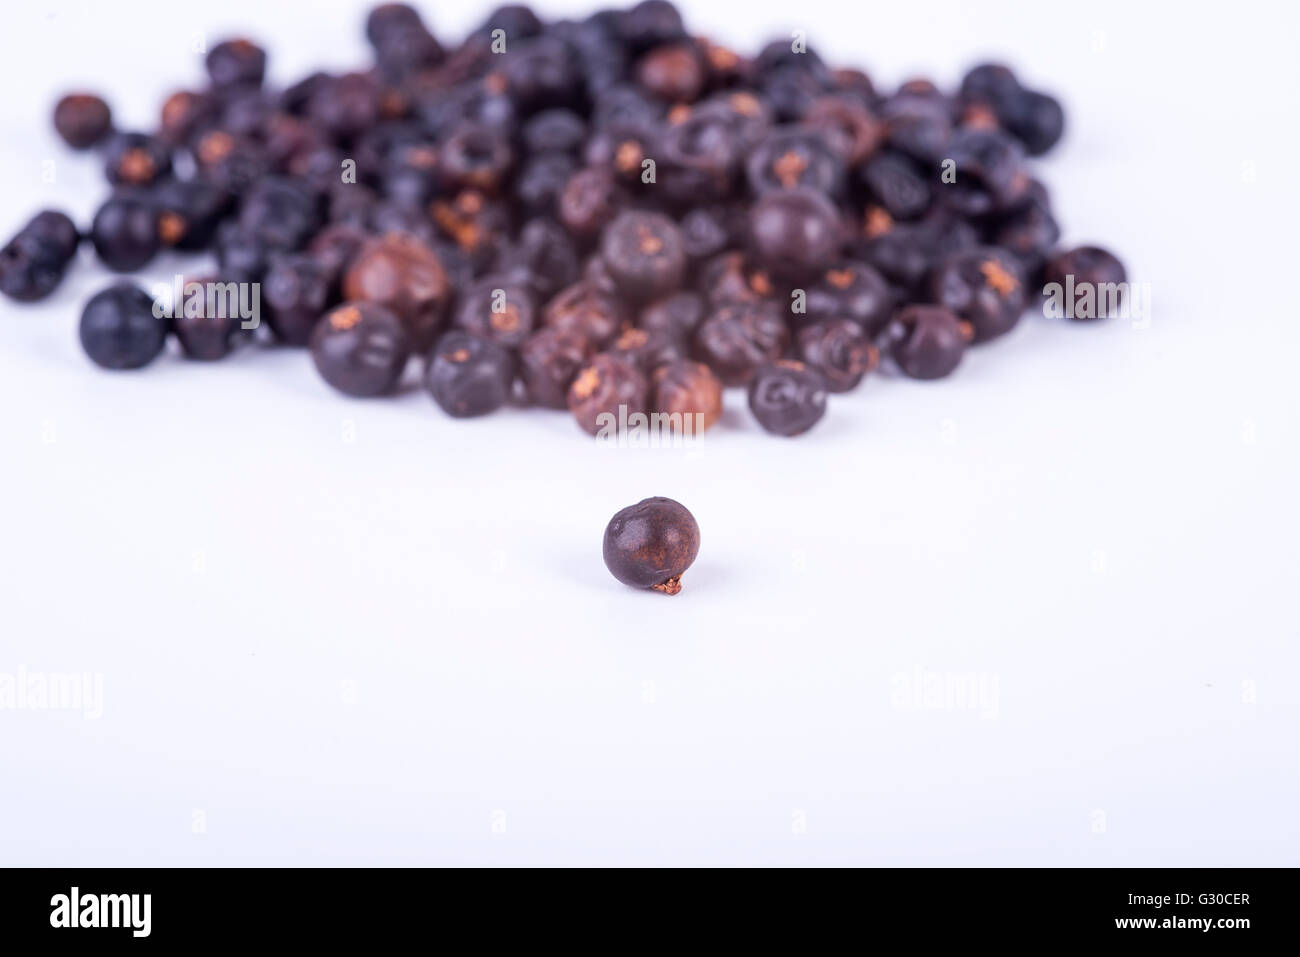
<point x="121" y="329"/>
<point x="689" y="390"/>
<point x="296" y="293"/>
<point x="135" y="159"/>
<point x="1087" y="273"/>
<point x="850" y="291"/>
<point x="605" y="392"/>
<point x="927" y="341"/>
<point x="793" y="157"/>
<point x="651" y="544"/>
<point x="469" y="375"/>
<point x="189" y="213"/>
<point x="82" y="119"/>
<point x="125" y="232"/>
<point x="549" y="360"/>
<point x="497" y="309"/>
<point x="643" y="253"/>
<point x="361" y="349"/>
<point x="647" y="349"/>
<point x="737" y="338"/>
<point x="984" y="287"/>
<point x="203" y="322"/>
<point x="588" y="311"/>
<point x="400" y="272"/>
<point x="236" y="62"/>
<point x="787" y="398"/>
<point x="33" y="263"/>
<point x="840" y="350"/>
<point x="795" y="233"/>
<point x="677" y="315"/>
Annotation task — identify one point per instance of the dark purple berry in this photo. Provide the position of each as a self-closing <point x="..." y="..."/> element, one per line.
<point x="236" y="62"/>
<point x="1087" y="272"/>
<point x="739" y="337"/>
<point x="651" y="544"/>
<point x="296" y="292"/>
<point x="498" y="309"/>
<point x="787" y="398"/>
<point x="121" y="329"/>
<point x="82" y="120"/>
<point x="840" y="350"/>
<point x="549" y="360"/>
<point x="125" y="232"/>
<point x="469" y="375"/>
<point x="795" y="233"/>
<point x="927" y="341"/>
<point x="984" y="287"/>
<point x="605" y="392"/>
<point x="644" y="256"/>
<point x="360" y="349"/>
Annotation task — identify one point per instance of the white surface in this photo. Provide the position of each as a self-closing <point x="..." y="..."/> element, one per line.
<point x="406" y="649"/>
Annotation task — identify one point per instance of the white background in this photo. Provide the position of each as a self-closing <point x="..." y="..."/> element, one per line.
<point x="406" y="649"/>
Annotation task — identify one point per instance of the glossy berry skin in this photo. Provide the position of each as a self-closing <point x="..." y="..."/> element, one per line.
<point x="601" y="387"/>
<point x="82" y="120"/>
<point x="687" y="388"/>
<point x="125" y="232"/>
<point x="643" y="253"/>
<point x="928" y="341"/>
<point x="360" y="349"/>
<point x="795" y="233"/>
<point x="984" y="287"/>
<point x="737" y="338"/>
<point x="1090" y="269"/>
<point x="469" y="375"/>
<point x="787" y="398"/>
<point x="840" y="350"/>
<point x="119" y="329"/>
<point x="651" y="544"/>
<point x="549" y="360"/>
